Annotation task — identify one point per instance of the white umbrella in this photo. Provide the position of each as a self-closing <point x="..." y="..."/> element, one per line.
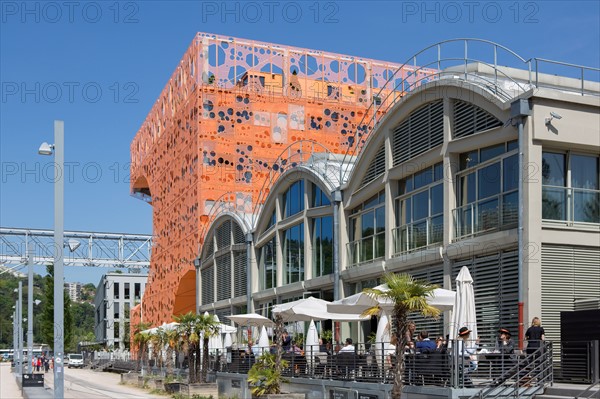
<point x="358" y="303"/>
<point x="263" y="341"/>
<point x="464" y="305"/>
<point x="312" y="343"/>
<point x="215" y="343"/>
<point x="228" y="341"/>
<point x="225" y="329"/>
<point x="382" y="338"/>
<point x="312" y="308"/>
<point x="251" y="319"/>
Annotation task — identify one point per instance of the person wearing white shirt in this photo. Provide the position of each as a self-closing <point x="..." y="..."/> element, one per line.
<point x="348" y="347"/>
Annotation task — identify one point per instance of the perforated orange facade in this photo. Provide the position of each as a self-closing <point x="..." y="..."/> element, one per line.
<point x="229" y="110"/>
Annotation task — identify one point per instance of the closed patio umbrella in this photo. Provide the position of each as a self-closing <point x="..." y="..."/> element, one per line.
<point x="312" y="343"/>
<point x="464" y="305"/>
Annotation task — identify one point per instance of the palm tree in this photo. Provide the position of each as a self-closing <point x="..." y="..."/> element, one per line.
<point x="171" y="338"/>
<point x="408" y="295"/>
<point x="189" y="338"/>
<point x="140" y="340"/>
<point x="208" y="327"/>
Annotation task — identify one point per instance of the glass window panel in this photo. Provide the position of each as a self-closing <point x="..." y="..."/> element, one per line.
<point x="368" y="224"/>
<point x="510" y="208"/>
<point x="438" y="171"/>
<point x="584" y="171"/>
<point x="380" y="245"/>
<point x="436" y="233"/>
<point x="468" y="159"/>
<point x="116" y="310"/>
<point x="487" y="215"/>
<point x="419" y="234"/>
<point x="488" y="180"/>
<point x="380" y="219"/>
<point x="402" y="189"/>
<point x="126" y="291"/>
<point x="437" y="199"/>
<point x="511" y="173"/>
<point x="554" y="203"/>
<point x="409" y="184"/>
<point x="467" y="189"/>
<point x="586" y="206"/>
<point x="423" y="178"/>
<point x="553" y="169"/>
<point x="408" y="210"/>
<point x="372" y="202"/>
<point x="116" y="291"/>
<point x="137" y="291"/>
<point x="490" y="152"/>
<point x="323" y="246"/>
<point x="421" y="205"/>
<point x="512" y="145"/>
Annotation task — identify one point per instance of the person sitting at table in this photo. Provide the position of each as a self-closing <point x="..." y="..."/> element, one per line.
<point x="348" y="347"/>
<point x="295" y="349"/>
<point x="424" y="344"/>
<point x="286" y="340"/>
<point x="409" y="335"/>
<point x="467" y="350"/>
<point x="506" y="348"/>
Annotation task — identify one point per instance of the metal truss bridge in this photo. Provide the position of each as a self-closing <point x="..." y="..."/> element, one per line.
<point x="111" y="250"/>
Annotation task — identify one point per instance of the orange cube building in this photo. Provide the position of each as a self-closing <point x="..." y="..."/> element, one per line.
<point x="214" y="135"/>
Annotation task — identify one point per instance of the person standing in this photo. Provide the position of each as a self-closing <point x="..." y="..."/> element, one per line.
<point x="535" y="336"/>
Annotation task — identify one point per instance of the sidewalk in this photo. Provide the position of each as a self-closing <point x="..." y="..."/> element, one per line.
<point x="9" y="389"/>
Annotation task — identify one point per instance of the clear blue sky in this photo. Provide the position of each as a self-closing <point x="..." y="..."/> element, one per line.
<point x="100" y="66"/>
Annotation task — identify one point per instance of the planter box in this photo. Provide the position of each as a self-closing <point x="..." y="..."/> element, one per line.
<point x="285" y="396"/>
<point x="172" y="387"/>
<point x="200" y="389"/>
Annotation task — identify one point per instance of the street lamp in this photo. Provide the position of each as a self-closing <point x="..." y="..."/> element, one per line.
<point x="59" y="186"/>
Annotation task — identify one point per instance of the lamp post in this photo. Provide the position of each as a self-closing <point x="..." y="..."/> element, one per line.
<point x="59" y="186"/>
<point x="29" y="311"/>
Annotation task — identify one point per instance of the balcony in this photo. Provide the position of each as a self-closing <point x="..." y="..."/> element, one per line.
<point x="488" y="215"/>
<point x="417" y="235"/>
<point x="366" y="249"/>
<point x="569" y="206"/>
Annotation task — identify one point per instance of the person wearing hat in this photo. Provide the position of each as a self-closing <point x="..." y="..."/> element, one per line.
<point x="467" y="350"/>
<point x="506" y="348"/>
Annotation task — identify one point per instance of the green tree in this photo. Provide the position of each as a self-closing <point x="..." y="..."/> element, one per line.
<point x="47" y="319"/>
<point x="408" y="295"/>
<point x="83" y="320"/>
<point x="189" y="341"/>
<point x="140" y="340"/>
<point x="207" y="326"/>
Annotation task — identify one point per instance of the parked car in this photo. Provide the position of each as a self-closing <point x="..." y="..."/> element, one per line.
<point x="75" y="360"/>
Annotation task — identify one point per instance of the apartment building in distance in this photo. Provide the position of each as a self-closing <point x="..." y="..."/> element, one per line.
<point x="116" y="294"/>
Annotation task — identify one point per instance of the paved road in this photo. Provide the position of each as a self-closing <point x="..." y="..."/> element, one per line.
<point x="84" y="383"/>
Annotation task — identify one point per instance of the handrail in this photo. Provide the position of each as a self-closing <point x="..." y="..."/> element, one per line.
<point x="589" y="389"/>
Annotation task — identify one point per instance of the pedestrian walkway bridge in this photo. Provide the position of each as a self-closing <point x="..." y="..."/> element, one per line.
<point x="111" y="250"/>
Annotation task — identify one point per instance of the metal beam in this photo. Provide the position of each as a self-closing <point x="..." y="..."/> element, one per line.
<point x="110" y="250"/>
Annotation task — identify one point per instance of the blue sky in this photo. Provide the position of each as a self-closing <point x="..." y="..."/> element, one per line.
<point x="100" y="66"/>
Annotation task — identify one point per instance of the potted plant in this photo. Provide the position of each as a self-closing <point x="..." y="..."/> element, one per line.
<point x="266" y="379"/>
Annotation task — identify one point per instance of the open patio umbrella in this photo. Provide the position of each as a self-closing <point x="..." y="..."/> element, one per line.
<point x="358" y="303"/>
<point x="311" y="344"/>
<point x="251" y="319"/>
<point x="464" y="305"/>
<point x="310" y="308"/>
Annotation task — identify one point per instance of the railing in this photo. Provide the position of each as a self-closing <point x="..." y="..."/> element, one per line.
<point x="366" y="249"/>
<point x="580" y="74"/>
<point x="444" y="367"/>
<point x="421" y="234"/>
<point x="570" y="205"/>
<point x="490" y="214"/>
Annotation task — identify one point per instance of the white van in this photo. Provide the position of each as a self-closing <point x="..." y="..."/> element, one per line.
<point x="75" y="360"/>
